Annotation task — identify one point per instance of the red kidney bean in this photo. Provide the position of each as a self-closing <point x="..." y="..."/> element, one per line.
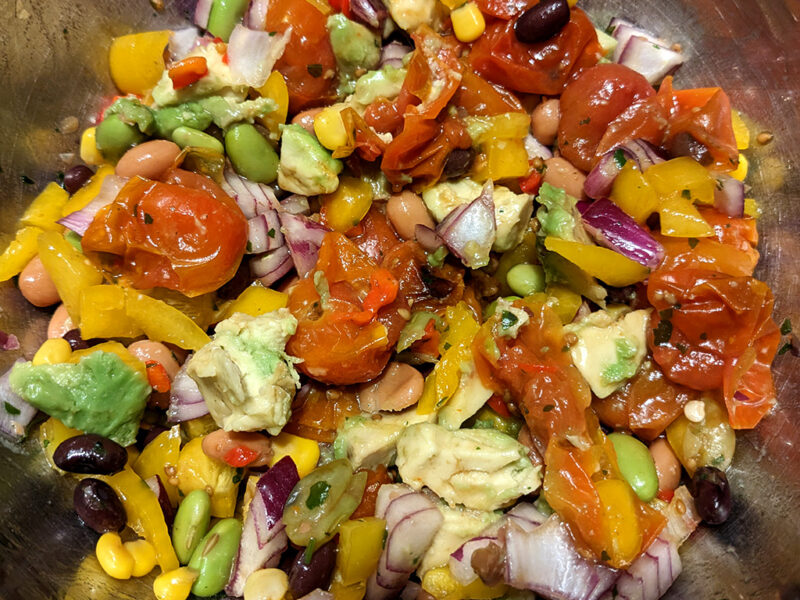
<point x="76" y="177"/>
<point x="90" y="453"/>
<point x="98" y="506"/>
<point x="541" y="22"/>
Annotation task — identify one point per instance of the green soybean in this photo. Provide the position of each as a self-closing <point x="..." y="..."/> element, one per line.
<point x="187" y="136"/>
<point x="191" y="524"/>
<point x="251" y="154"/>
<point x="213" y="558"/>
<point x="526" y="279"/>
<point x="114" y="137"/>
<point x="636" y="464"/>
<point x="224" y="16"/>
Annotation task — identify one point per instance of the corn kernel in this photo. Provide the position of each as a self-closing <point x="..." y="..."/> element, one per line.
<point x="741" y="171"/>
<point x="52" y="352"/>
<point x="304" y="452"/>
<point x="329" y="128"/>
<point x="751" y="208"/>
<point x="144" y="556"/>
<point x="175" y="584"/>
<point x="572" y="3"/>
<point x="740" y="131"/>
<point x="113" y="557"/>
<point x="266" y="584"/>
<point x="89" y="152"/>
<point x="468" y="22"/>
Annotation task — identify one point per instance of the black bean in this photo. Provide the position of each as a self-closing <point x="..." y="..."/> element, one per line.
<point x="712" y="495"/>
<point x="76" y="177"/>
<point x="458" y="163"/>
<point x="541" y="22"/>
<point x="76" y="342"/>
<point x="307" y="575"/>
<point x="685" y="144"/>
<point x="98" y="506"/>
<point x="90" y="453"/>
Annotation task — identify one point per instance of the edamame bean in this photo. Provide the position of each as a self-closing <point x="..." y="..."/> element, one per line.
<point x="191" y="524"/>
<point x="525" y="279"/>
<point x="251" y="154"/>
<point x="636" y="465"/>
<point x="224" y="16"/>
<point x="114" y="137"/>
<point x="187" y="136"/>
<point x="213" y="558"/>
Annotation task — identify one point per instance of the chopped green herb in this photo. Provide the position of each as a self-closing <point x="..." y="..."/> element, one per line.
<point x="548" y="408"/>
<point x="785" y="348"/>
<point x="436" y="259"/>
<point x="60" y="178"/>
<point x="666" y="313"/>
<point x="318" y="494"/>
<point x="704" y="336"/>
<point x="309" y="551"/>
<point x="238" y="477"/>
<point x="10" y="408"/>
<point x="663" y="332"/>
<point x="693" y="242"/>
<point x="447" y="345"/>
<point x="45" y="443"/>
<point x="682" y="348"/>
<point x="619" y="158"/>
<point x="585" y="121"/>
<point x="249" y="246"/>
<point x="508" y="319"/>
<point x="686" y="194"/>
<point x="315" y="70"/>
<point x="786" y="327"/>
<point x="148" y="220"/>
<point x="604" y="556"/>
<point x="271" y="232"/>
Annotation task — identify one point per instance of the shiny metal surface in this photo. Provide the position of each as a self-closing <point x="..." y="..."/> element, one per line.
<point x="53" y="66"/>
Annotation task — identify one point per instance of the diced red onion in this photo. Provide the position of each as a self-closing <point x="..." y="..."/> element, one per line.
<point x="182" y="42"/>
<point x="613" y="228"/>
<point x="650" y="575"/>
<point x="80" y="220"/>
<point x="270" y="267"/>
<point x="256" y="15"/>
<point x="729" y="196"/>
<point x="296" y="205"/>
<point x="545" y="561"/>
<point x="469" y="230"/>
<point x="682" y="517"/>
<point x="304" y="237"/>
<point x="155" y="484"/>
<point x="185" y="400"/>
<point x="623" y="31"/>
<point x="428" y="238"/>
<point x="460" y="562"/>
<point x="8" y="341"/>
<point x="13" y="422"/>
<point x="252" y="54"/>
<point x="264" y="232"/>
<point x="526" y="516"/>
<point x="263" y="532"/>
<point x="369" y="12"/>
<point x="536" y="149"/>
<point x="393" y="53"/>
<point x="600" y="179"/>
<point x="253" y="198"/>
<point x="649" y="58"/>
<point x="202" y="12"/>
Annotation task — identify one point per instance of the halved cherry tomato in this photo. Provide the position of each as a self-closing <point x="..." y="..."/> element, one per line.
<point x="188" y="238"/>
<point x="318" y="412"/>
<point x="342" y="6"/>
<point x="482" y="99"/>
<point x="375" y="479"/>
<point x="383" y="289"/>
<point x="188" y="71"/>
<point x="504" y="9"/>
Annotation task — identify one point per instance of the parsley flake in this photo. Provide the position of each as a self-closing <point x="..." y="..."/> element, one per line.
<point x="26" y="180"/>
<point x="10" y="408"/>
<point x="318" y="494"/>
<point x="619" y="158"/>
<point x="663" y="332"/>
<point x="148" y="220"/>
<point x="693" y="242"/>
<point x="508" y="319"/>
<point x="548" y="408"/>
<point x="315" y="70"/>
<point x="686" y="194"/>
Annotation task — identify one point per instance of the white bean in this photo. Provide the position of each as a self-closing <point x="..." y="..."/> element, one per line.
<point x="544" y="121"/>
<point x="561" y="174"/>
<point x="147" y="350"/>
<point x="397" y="388"/>
<point x="36" y="284"/>
<point x="60" y="323"/>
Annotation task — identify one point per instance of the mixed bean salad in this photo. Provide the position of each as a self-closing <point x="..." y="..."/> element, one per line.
<point x="427" y="299"/>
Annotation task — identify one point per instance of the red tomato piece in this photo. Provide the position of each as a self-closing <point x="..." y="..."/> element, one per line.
<point x="240" y="456"/>
<point x="157" y="376"/>
<point x="188" y="71"/>
<point x="504" y="9"/>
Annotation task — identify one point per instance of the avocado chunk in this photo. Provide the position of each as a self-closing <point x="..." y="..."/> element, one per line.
<point x="355" y="48"/>
<point x="482" y="469"/>
<point x="246" y="378"/>
<point x="99" y="394"/>
<point x="306" y="168"/>
<point x="386" y="82"/>
<point x="188" y="114"/>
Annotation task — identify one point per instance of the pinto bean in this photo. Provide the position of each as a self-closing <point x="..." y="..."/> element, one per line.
<point x="146" y="350"/>
<point x="219" y="443"/>
<point x="306" y="119"/>
<point x="36" y="285"/>
<point x="668" y="468"/>
<point x="397" y="388"/>
<point x="406" y="210"/>
<point x="561" y="174"/>
<point x="60" y="323"/>
<point x="544" y="121"/>
<point x="149" y="160"/>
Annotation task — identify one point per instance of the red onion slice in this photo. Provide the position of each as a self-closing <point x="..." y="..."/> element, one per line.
<point x="649" y="58"/>
<point x="8" y="341"/>
<point x="428" y="238"/>
<point x="470" y="230"/>
<point x="256" y="15"/>
<point x="270" y="267"/>
<point x="15" y="413"/>
<point x="393" y="53"/>
<point x="650" y="575"/>
<point x="155" y="484"/>
<point x="296" y="205"/>
<point x="369" y="12"/>
<point x="264" y="233"/>
<point x="185" y="400"/>
<point x="253" y="198"/>
<point x="182" y="42"/>
<point x="613" y="228"/>
<point x="600" y="179"/>
<point x="80" y="220"/>
<point x="304" y="237"/>
<point x="202" y="12"/>
<point x="536" y="149"/>
<point x="623" y="31"/>
<point x="252" y="54"/>
<point x="729" y="196"/>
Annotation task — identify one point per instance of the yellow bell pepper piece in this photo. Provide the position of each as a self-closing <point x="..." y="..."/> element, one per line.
<point x="133" y="455"/>
<point x="88" y="147"/>
<point x="558" y="297"/>
<point x="86" y="194"/>
<point x="275" y="89"/>
<point x="113" y="348"/>
<point x="347" y="592"/>
<point x="441" y="584"/>
<point x="740" y="131"/>
<point x="345" y="207"/>
<point x="144" y="514"/>
<point x="197" y="471"/>
<point x="160" y="457"/>
<point x="303" y="451"/>
<point x="506" y="158"/>
<point x="19" y="252"/>
<point x="46" y="208"/>
<point x="255" y="301"/>
<point x="620" y="523"/>
<point x="740" y="172"/>
<point x="136" y="61"/>
<point x="103" y="313"/>
<point x="360" y="547"/>
<point x="51" y="433"/>
<point x="455" y="347"/>
<point x="681" y="177"/>
<point x="633" y="194"/>
<point x="607" y="265"/>
<point x="69" y="269"/>
<point x="162" y="322"/>
<point x="512" y="125"/>
<point x="679" y="218"/>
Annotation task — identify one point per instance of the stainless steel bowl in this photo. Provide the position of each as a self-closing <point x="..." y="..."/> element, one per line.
<point x="53" y="65"/>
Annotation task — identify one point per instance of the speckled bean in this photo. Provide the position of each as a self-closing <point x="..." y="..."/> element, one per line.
<point x="406" y="210"/>
<point x="146" y="350"/>
<point x="544" y="121"/>
<point x="218" y="444"/>
<point x="36" y="285"/>
<point x="668" y="468"/>
<point x="561" y="174"/>
<point x="60" y="323"/>
<point x="397" y="388"/>
<point x="306" y="119"/>
<point x="149" y="160"/>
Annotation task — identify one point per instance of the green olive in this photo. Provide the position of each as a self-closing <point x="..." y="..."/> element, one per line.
<point x="191" y="524"/>
<point x="251" y="154"/>
<point x="114" y="137"/>
<point x="213" y="558"/>
<point x="636" y="464"/>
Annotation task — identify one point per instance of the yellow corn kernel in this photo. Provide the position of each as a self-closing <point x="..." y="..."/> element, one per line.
<point x="175" y="584"/>
<point x="144" y="556"/>
<point x="740" y="131"/>
<point x="89" y="152"/>
<point x="468" y="22"/>
<point x="113" y="557"/>
<point x="256" y="300"/>
<point x="345" y="207"/>
<point x="53" y="352"/>
<point x="741" y="171"/>
<point x="266" y="584"/>
<point x="329" y="128"/>
<point x="304" y="452"/>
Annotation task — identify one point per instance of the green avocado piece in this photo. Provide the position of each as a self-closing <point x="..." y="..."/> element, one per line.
<point x="354" y="46"/>
<point x="188" y="114"/>
<point x="100" y="394"/>
<point x="132" y="112"/>
<point x="305" y="167"/>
